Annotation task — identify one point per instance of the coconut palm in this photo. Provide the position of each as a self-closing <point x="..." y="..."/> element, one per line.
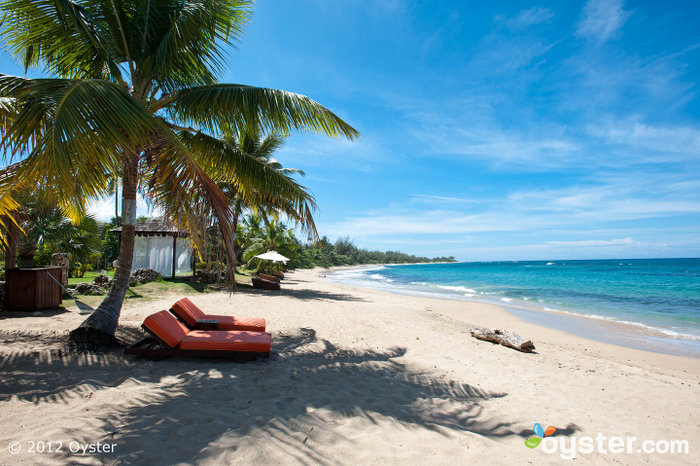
<point x="274" y="236"/>
<point x="298" y="205"/>
<point x="290" y="198"/>
<point x="135" y="94"/>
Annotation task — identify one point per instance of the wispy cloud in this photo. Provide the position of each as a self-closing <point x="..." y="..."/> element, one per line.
<point x="666" y="140"/>
<point x="303" y="151"/>
<point x="602" y="242"/>
<point x="602" y="19"/>
<point x="593" y="209"/>
<point x="477" y="135"/>
<point x="526" y="18"/>
<point x="428" y="198"/>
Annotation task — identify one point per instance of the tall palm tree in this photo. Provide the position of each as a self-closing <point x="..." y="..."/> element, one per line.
<point x="288" y="197"/>
<point x="135" y="93"/>
<point x="298" y="204"/>
<point x="274" y="236"/>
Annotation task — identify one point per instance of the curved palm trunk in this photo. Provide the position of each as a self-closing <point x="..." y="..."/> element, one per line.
<point x="230" y="247"/>
<point x="11" y="253"/>
<point x="99" y="328"/>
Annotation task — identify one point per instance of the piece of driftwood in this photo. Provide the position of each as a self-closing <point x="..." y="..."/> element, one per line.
<point x="503" y="337"/>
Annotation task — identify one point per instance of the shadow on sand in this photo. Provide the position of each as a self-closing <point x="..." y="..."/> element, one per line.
<point x="208" y="409"/>
<point x="305" y="294"/>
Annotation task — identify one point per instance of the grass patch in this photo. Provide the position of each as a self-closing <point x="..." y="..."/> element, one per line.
<point x="155" y="290"/>
<point x="87" y="278"/>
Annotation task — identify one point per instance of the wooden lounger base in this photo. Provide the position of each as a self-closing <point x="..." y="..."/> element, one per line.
<point x="151" y="348"/>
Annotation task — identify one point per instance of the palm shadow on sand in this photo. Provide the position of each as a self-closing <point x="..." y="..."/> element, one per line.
<point x="210" y="407"/>
<point x="305" y="294"/>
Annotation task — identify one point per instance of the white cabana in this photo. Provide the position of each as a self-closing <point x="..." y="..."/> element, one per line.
<point x="160" y="246"/>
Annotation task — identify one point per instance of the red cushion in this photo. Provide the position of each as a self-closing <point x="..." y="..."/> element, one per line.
<point x="226" y="340"/>
<point x="166" y="327"/>
<point x="255" y="324"/>
<point x="188" y="311"/>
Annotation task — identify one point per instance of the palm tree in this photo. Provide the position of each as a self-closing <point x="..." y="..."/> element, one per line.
<point x="275" y="236"/>
<point x="135" y="94"/>
<point x="288" y="198"/>
<point x="298" y="203"/>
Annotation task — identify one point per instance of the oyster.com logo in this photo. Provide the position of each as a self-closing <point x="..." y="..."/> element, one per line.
<point x="540" y="433"/>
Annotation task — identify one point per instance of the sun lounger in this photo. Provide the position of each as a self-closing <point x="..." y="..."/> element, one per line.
<point x="170" y="337"/>
<point x="195" y="319"/>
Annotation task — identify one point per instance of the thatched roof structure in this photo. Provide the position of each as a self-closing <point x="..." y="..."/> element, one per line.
<point x="157" y="226"/>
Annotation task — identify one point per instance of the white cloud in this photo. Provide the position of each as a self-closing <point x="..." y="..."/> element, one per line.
<point x="684" y="140"/>
<point x="602" y="19"/>
<point x="543" y="148"/>
<point x="526" y="18"/>
<point x="103" y="209"/>
<point x="306" y="150"/>
<point x="584" y="213"/>
<point x="500" y="55"/>
<point x="588" y="243"/>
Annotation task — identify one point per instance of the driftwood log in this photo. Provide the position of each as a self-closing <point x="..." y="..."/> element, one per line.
<point x="503" y="337"/>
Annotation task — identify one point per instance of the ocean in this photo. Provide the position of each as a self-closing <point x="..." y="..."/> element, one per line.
<point x="651" y="304"/>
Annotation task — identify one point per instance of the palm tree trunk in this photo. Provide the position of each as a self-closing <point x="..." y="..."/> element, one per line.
<point x="116" y="201"/>
<point x="236" y="249"/>
<point x="11" y="253"/>
<point x="99" y="328"/>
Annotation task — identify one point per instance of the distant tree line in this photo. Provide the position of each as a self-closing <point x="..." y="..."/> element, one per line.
<point x="345" y="252"/>
<point x="93" y="246"/>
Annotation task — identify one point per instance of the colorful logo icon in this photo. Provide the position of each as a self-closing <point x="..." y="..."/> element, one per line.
<point x="540" y="433"/>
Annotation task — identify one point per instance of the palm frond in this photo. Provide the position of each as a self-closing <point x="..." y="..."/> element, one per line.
<point x="64" y="37"/>
<point x="240" y="106"/>
<point x="183" y="41"/>
<point x="70" y="135"/>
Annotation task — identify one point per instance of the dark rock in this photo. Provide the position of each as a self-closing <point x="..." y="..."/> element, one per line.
<point x="89" y="289"/>
<point x="103" y="281"/>
<point x="143" y="276"/>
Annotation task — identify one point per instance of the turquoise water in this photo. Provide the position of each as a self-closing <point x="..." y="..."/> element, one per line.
<point x="657" y="302"/>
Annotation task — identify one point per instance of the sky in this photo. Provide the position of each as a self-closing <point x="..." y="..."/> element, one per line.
<point x="499" y="130"/>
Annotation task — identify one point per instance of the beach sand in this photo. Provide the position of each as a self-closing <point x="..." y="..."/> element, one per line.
<point x="357" y="376"/>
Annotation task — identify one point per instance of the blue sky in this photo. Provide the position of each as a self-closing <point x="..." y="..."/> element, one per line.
<point x="493" y="130"/>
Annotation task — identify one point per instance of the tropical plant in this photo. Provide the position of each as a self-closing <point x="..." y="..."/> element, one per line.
<point x="275" y="236"/>
<point x="290" y="199"/>
<point x="135" y="95"/>
<point x="39" y="224"/>
<point x="297" y="204"/>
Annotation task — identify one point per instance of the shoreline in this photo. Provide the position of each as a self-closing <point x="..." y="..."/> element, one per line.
<point x="395" y="379"/>
<point x="626" y="334"/>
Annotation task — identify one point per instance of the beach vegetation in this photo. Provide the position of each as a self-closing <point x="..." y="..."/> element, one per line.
<point x="253" y="202"/>
<point x="133" y="94"/>
<point x="344" y="252"/>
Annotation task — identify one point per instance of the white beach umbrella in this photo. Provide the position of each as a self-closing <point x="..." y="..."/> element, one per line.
<point x="273" y="256"/>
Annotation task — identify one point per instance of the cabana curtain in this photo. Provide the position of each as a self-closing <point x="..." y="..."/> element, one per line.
<point x="156" y="252"/>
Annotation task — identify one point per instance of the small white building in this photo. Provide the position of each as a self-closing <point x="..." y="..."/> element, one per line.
<point x="161" y="246"/>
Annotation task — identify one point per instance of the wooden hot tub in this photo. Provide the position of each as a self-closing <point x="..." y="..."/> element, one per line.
<point x="31" y="289"/>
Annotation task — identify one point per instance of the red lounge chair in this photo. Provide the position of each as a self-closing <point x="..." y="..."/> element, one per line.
<point x="172" y="338"/>
<point x="195" y="319"/>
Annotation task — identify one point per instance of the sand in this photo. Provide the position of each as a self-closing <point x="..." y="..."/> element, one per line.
<point x="357" y="376"/>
